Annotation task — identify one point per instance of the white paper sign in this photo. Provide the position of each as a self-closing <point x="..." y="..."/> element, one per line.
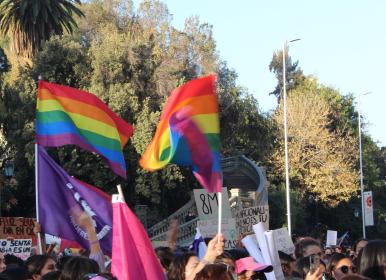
<point x="250" y="243"/>
<point x="263" y="244"/>
<point x="332" y="236"/>
<point x="18" y="247"/>
<point x="247" y="217"/>
<point x="228" y="229"/>
<point x="207" y="204"/>
<point x="283" y="241"/>
<point x="369" y="211"/>
<point x="273" y="252"/>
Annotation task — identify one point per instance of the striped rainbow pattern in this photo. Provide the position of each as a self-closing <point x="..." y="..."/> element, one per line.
<point x="70" y="116"/>
<point x="188" y="133"/>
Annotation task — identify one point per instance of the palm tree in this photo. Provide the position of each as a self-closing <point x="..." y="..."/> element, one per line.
<point x="30" y="23"/>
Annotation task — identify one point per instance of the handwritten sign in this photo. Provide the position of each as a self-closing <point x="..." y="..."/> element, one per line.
<point x="207" y="205"/>
<point x="18" y="247"/>
<point x="16" y="227"/>
<point x="247" y="217"/>
<point x="283" y="241"/>
<point x="228" y="229"/>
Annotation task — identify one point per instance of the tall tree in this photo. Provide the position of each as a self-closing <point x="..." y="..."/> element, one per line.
<point x="31" y="23"/>
<point x="322" y="161"/>
<point x="294" y="75"/>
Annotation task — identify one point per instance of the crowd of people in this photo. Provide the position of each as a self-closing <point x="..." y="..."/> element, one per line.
<point x="310" y="261"/>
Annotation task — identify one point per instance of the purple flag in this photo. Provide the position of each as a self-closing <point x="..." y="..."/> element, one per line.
<point x="60" y="194"/>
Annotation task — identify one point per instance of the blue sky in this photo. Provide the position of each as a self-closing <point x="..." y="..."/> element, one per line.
<point x="343" y="43"/>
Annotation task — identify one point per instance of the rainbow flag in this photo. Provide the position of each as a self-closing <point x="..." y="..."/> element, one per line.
<point x="70" y="116"/>
<point x="188" y="133"/>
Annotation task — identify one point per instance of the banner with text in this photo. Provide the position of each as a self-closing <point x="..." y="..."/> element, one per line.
<point x="16" y="227"/>
<point x="207" y="204"/>
<point x="247" y="217"/>
<point x="17" y="247"/>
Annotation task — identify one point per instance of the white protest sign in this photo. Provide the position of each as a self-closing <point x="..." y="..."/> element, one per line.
<point x="247" y="217"/>
<point x="331" y="237"/>
<point x="228" y="229"/>
<point x="207" y="204"/>
<point x="283" y="241"/>
<point x="263" y="244"/>
<point x="18" y="247"/>
<point x="250" y="243"/>
<point x="274" y="254"/>
<point x="369" y="211"/>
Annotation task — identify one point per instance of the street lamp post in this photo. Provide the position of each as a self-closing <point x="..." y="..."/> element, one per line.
<point x="287" y="182"/>
<point x="361" y="165"/>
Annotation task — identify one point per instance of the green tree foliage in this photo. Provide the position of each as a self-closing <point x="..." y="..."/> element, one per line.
<point x="294" y="75"/>
<point x="31" y="23"/>
<point x="322" y="161"/>
<point x="243" y="127"/>
<point x="132" y="61"/>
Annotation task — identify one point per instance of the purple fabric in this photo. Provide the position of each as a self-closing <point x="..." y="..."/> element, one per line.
<point x="60" y="195"/>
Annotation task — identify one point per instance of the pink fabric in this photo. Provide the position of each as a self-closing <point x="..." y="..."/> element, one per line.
<point x="133" y="256"/>
<point x="250" y="264"/>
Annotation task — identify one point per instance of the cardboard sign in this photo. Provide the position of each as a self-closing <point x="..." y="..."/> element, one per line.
<point x="368" y="205"/>
<point x="207" y="204"/>
<point x="247" y="217"/>
<point x="16" y="227"/>
<point x="332" y="236"/>
<point x="228" y="229"/>
<point x="18" y="247"/>
<point x="283" y="241"/>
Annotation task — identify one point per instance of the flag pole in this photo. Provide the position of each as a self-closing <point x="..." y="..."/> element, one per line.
<point x="40" y="248"/>
<point x="219" y="195"/>
<point x="39" y="241"/>
<point x="120" y="192"/>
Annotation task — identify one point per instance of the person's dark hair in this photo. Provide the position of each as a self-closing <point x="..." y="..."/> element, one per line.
<point x="36" y="263"/>
<point x="3" y="276"/>
<point x="238" y="253"/>
<point x="285" y="259"/>
<point x="62" y="261"/>
<point x="53" y="275"/>
<point x="177" y="267"/>
<point x="13" y="260"/>
<point x="303" y="267"/>
<point x="333" y="261"/>
<point x="16" y="273"/>
<point x="372" y="258"/>
<point x="165" y="256"/>
<point x="302" y="245"/>
<point x="213" y="272"/>
<point x="77" y="267"/>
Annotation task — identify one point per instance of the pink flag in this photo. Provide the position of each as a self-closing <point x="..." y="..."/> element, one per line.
<point x="133" y="256"/>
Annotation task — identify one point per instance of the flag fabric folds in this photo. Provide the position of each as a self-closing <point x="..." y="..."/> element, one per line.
<point x="60" y="194"/>
<point x="188" y="133"/>
<point x="70" y="116"/>
<point x="199" y="246"/>
<point x="133" y="256"/>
